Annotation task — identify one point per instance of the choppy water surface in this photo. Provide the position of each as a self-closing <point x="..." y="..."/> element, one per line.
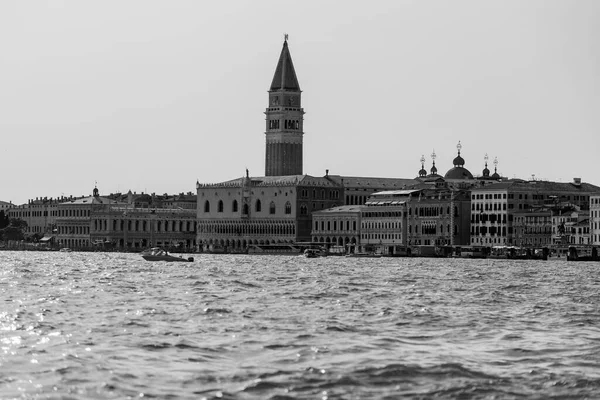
<point x="95" y="326"/>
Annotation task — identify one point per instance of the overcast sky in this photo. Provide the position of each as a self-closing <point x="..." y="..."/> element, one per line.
<point x="151" y="96"/>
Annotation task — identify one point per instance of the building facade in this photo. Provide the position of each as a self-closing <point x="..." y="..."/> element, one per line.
<point x="398" y="222"/>
<point x="494" y="208"/>
<point x="39" y="214"/>
<point x="337" y="226"/>
<point x="532" y="228"/>
<point x="125" y="226"/>
<point x="595" y="219"/>
<point x="5" y="206"/>
<point x="127" y="222"/>
<point x="255" y="211"/>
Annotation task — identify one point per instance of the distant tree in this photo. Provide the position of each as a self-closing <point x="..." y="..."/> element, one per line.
<point x="18" y="223"/>
<point x="11" y="233"/>
<point x="4" y="221"/>
<point x="14" y="230"/>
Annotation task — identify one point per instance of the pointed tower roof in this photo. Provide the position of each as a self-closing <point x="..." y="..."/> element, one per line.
<point x="285" y="75"/>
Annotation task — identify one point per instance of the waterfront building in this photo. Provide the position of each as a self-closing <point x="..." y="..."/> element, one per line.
<point x="399" y="221"/>
<point x="73" y="219"/>
<point x="493" y="207"/>
<point x="439" y="216"/>
<point x="130" y="227"/>
<point x="39" y="214"/>
<point x="595" y="219"/>
<point x="532" y="228"/>
<point x="5" y="206"/>
<point x="383" y="227"/>
<point x="127" y="221"/>
<point x="256" y="211"/>
<point x="570" y="226"/>
<point x="337" y="226"/>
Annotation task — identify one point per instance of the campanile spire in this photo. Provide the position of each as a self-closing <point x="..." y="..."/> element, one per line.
<point x="284" y="119"/>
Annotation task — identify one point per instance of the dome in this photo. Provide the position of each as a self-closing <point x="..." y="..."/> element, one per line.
<point x="458" y="173"/>
<point x="458" y="161"/>
<point x="423" y="171"/>
<point x="433" y="170"/>
<point x="486" y="172"/>
<point x="495" y="176"/>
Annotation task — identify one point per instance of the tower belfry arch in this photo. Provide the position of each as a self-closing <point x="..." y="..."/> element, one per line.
<point x="284" y="120"/>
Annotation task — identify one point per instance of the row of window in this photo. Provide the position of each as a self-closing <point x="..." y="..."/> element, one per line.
<point x="382" y="214"/>
<point x="333" y="194"/>
<point x="73" y="230"/>
<point x="493" y="218"/>
<point x="432" y="211"/>
<point x="369" y="225"/>
<point x="492" y="230"/>
<point x="488" y="207"/>
<point x="381" y="236"/>
<point x="245" y="210"/>
<point x="52" y="213"/>
<point x="525" y="196"/>
<point x="143" y="226"/>
<point x="287" y="124"/>
<point x="534" y="230"/>
<point x="431" y="229"/>
<point x="335" y="225"/>
<point x="258" y="229"/>
<point x="489" y="196"/>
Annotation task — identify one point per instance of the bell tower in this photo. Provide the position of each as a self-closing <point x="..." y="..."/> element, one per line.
<point x="284" y="120"/>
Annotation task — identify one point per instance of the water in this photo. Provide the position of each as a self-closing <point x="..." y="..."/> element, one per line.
<point x="103" y="326"/>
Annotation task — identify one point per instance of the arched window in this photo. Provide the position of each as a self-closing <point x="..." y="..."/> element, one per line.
<point x="235" y="206"/>
<point x="245" y="209"/>
<point x="288" y="208"/>
<point x="220" y="206"/>
<point x="303" y="209"/>
<point x="207" y="206"/>
<point x="258" y="206"/>
<point x="272" y="208"/>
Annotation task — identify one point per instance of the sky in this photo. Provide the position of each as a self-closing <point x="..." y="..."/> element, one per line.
<point x="152" y="96"/>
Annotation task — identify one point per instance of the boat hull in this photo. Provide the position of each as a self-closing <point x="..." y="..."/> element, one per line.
<point x="167" y="258"/>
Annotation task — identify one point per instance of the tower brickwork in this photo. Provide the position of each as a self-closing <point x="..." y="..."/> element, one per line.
<point x="284" y="120"/>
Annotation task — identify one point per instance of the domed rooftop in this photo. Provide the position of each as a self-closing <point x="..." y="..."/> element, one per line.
<point x="486" y="171"/>
<point x="434" y="169"/>
<point x="495" y="175"/>
<point x="422" y="171"/>
<point x="459" y="171"/>
<point x="458" y="161"/>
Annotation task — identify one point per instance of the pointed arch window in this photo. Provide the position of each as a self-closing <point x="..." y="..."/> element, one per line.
<point x="288" y="207"/>
<point x="220" y="206"/>
<point x="207" y="206"/>
<point x="245" y="209"/>
<point x="258" y="206"/>
<point x="272" y="208"/>
<point x="234" y="207"/>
